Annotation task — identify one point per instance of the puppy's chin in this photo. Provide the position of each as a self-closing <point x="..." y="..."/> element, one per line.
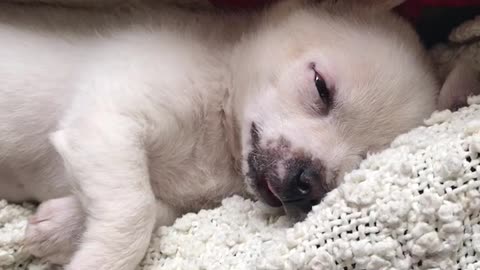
<point x="293" y="214"/>
<point x="270" y="210"/>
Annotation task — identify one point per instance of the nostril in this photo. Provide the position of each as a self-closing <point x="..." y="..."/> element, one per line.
<point x="304" y="184"/>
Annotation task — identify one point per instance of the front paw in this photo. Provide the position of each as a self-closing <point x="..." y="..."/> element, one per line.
<point x="53" y="232"/>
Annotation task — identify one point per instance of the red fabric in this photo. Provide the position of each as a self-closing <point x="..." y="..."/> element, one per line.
<point x="413" y="9"/>
<point x="410" y="9"/>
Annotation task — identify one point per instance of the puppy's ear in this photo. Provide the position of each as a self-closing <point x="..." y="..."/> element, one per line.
<point x="463" y="81"/>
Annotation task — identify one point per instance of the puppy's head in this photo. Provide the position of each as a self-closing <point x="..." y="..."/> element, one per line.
<point x="317" y="89"/>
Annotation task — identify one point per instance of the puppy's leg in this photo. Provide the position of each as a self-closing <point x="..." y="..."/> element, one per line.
<point x="462" y="81"/>
<point x="166" y="214"/>
<point x="54" y="231"/>
<point x="105" y="154"/>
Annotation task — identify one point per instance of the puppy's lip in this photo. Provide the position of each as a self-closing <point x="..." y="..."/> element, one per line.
<point x="266" y="193"/>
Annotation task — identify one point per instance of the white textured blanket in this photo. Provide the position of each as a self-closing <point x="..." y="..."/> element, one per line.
<point x="414" y="206"/>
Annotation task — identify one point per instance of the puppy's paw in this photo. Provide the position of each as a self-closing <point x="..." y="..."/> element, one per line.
<point x="53" y="232"/>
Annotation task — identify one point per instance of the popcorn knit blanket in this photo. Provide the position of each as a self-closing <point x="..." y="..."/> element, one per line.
<point x="415" y="205"/>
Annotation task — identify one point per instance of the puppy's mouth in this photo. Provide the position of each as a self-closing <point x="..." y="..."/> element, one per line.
<point x="266" y="192"/>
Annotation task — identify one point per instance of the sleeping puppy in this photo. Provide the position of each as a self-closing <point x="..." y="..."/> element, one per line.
<point x="120" y="122"/>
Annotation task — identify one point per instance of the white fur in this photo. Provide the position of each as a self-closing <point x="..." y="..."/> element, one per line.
<point x="143" y="115"/>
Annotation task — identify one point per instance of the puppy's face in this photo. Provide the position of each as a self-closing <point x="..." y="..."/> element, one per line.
<point x="327" y="90"/>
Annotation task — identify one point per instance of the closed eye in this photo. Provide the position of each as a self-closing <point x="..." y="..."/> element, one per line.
<point x="323" y="90"/>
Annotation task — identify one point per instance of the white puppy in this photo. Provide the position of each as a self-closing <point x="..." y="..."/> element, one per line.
<point x="121" y="122"/>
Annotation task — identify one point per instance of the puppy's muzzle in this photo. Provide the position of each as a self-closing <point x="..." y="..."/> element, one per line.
<point x="296" y="183"/>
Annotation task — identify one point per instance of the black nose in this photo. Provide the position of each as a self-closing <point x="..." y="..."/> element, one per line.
<point x="304" y="182"/>
<point x="303" y="190"/>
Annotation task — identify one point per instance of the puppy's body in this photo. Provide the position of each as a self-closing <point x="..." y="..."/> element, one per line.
<point x="183" y="78"/>
<point x="52" y="79"/>
<point x="132" y="120"/>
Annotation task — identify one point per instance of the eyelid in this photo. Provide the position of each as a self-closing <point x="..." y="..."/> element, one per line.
<point x="321" y="106"/>
<point x="320" y="75"/>
<point x="324" y="75"/>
